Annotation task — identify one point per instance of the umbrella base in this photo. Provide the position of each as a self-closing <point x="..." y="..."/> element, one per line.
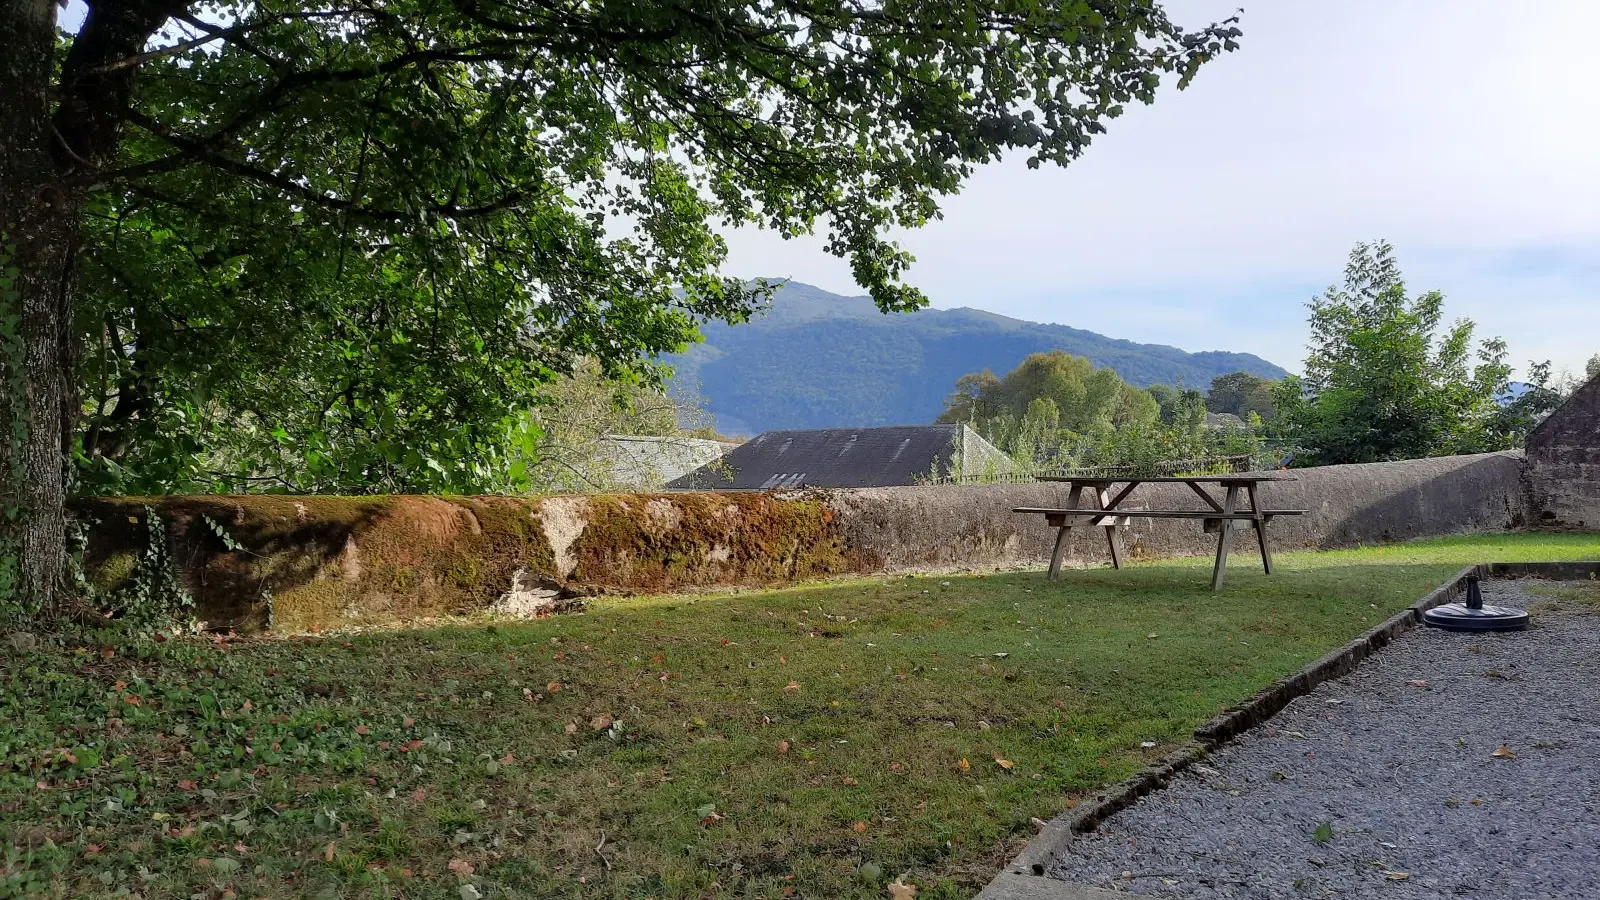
<point x="1460" y="617"/>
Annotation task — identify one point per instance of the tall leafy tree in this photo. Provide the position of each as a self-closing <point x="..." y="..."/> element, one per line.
<point x="406" y="214"/>
<point x="1079" y="394"/>
<point x="1385" y="377"/>
<point x="1242" y="394"/>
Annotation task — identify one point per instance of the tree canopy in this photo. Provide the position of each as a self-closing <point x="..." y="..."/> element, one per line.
<point x="1080" y="394"/>
<point x="362" y="235"/>
<point x="1243" y="395"/>
<point x="1383" y="381"/>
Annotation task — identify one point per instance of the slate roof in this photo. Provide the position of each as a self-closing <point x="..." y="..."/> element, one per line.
<point x="831" y="457"/>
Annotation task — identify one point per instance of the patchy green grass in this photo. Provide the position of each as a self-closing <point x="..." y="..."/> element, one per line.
<point x="813" y="742"/>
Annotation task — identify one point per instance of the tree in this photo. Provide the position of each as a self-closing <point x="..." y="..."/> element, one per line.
<point x="582" y="410"/>
<point x="1183" y="407"/>
<point x="1241" y="393"/>
<point x="469" y="164"/>
<point x="1381" y="382"/>
<point x="1079" y="395"/>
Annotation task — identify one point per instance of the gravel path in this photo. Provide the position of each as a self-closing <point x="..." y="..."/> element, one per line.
<point x="1398" y="759"/>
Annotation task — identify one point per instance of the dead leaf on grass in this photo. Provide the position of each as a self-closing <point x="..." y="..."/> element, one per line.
<point x="1006" y="764"/>
<point x="783" y="746"/>
<point x="600" y="722"/>
<point x="1503" y="752"/>
<point x="900" y="889"/>
<point x="461" y="867"/>
<point x="792" y="686"/>
<point x="963" y="765"/>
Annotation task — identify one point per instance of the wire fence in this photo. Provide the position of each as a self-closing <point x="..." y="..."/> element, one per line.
<point x="1213" y="465"/>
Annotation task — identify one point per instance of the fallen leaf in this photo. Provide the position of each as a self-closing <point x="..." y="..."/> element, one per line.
<point x="793" y="686"/>
<point x="600" y="722"/>
<point x="552" y="687"/>
<point x="963" y="765"/>
<point x="361" y="729"/>
<point x="847" y="781"/>
<point x="527" y="694"/>
<point x="186" y="785"/>
<point x="783" y="746"/>
<point x="327" y="854"/>
<point x="92" y="849"/>
<point x="407" y="722"/>
<point x="1006" y="764"/>
<point x="461" y="867"/>
<point x="900" y="889"/>
<point x="1396" y="876"/>
<point x="859" y="827"/>
<point x="572" y="728"/>
<point x="1503" y="752"/>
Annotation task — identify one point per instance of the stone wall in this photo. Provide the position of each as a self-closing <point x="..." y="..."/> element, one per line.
<point x="961" y="527"/>
<point x="1564" y="462"/>
<point x="293" y="564"/>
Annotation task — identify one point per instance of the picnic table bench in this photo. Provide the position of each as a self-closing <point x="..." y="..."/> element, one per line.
<point x="1222" y="517"/>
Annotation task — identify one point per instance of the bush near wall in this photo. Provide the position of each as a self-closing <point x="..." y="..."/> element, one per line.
<point x="300" y="563"/>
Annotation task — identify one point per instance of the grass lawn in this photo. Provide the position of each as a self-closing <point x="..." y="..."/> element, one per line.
<point x="817" y="741"/>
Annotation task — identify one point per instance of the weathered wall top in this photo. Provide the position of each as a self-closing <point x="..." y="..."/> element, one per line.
<point x="1572" y="432"/>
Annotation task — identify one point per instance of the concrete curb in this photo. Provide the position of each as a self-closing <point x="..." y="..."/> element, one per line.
<point x="1022" y="878"/>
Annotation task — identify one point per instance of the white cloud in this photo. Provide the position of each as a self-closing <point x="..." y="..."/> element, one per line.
<point x="1464" y="131"/>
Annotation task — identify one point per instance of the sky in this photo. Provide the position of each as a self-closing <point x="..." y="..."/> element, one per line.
<point x="1462" y="131"/>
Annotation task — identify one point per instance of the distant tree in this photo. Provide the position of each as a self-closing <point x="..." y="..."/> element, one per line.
<point x="1166" y="397"/>
<point x="1510" y="424"/>
<point x="1081" y="394"/>
<point x="578" y="412"/>
<point x="972" y="399"/>
<point x="1241" y="393"/>
<point x="1381" y="382"/>
<point x="1180" y="406"/>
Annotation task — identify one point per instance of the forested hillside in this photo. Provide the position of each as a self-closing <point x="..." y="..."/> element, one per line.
<point x="818" y="360"/>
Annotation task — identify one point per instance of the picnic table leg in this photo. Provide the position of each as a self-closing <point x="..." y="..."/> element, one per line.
<point x="1064" y="533"/>
<point x="1112" y="536"/>
<point x="1261" y="530"/>
<point x="1223" y="533"/>
<point x="1055" y="557"/>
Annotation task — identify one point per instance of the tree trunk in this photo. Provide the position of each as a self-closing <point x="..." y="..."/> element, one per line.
<point x="47" y="156"/>
<point x="37" y="230"/>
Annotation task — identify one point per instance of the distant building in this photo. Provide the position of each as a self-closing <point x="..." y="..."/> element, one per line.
<point x="645" y="463"/>
<point x="849" y="457"/>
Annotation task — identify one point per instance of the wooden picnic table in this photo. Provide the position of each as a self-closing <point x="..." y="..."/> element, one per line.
<point x="1221" y="516"/>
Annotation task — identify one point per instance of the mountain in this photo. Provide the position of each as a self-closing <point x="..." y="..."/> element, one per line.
<point x="821" y="360"/>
